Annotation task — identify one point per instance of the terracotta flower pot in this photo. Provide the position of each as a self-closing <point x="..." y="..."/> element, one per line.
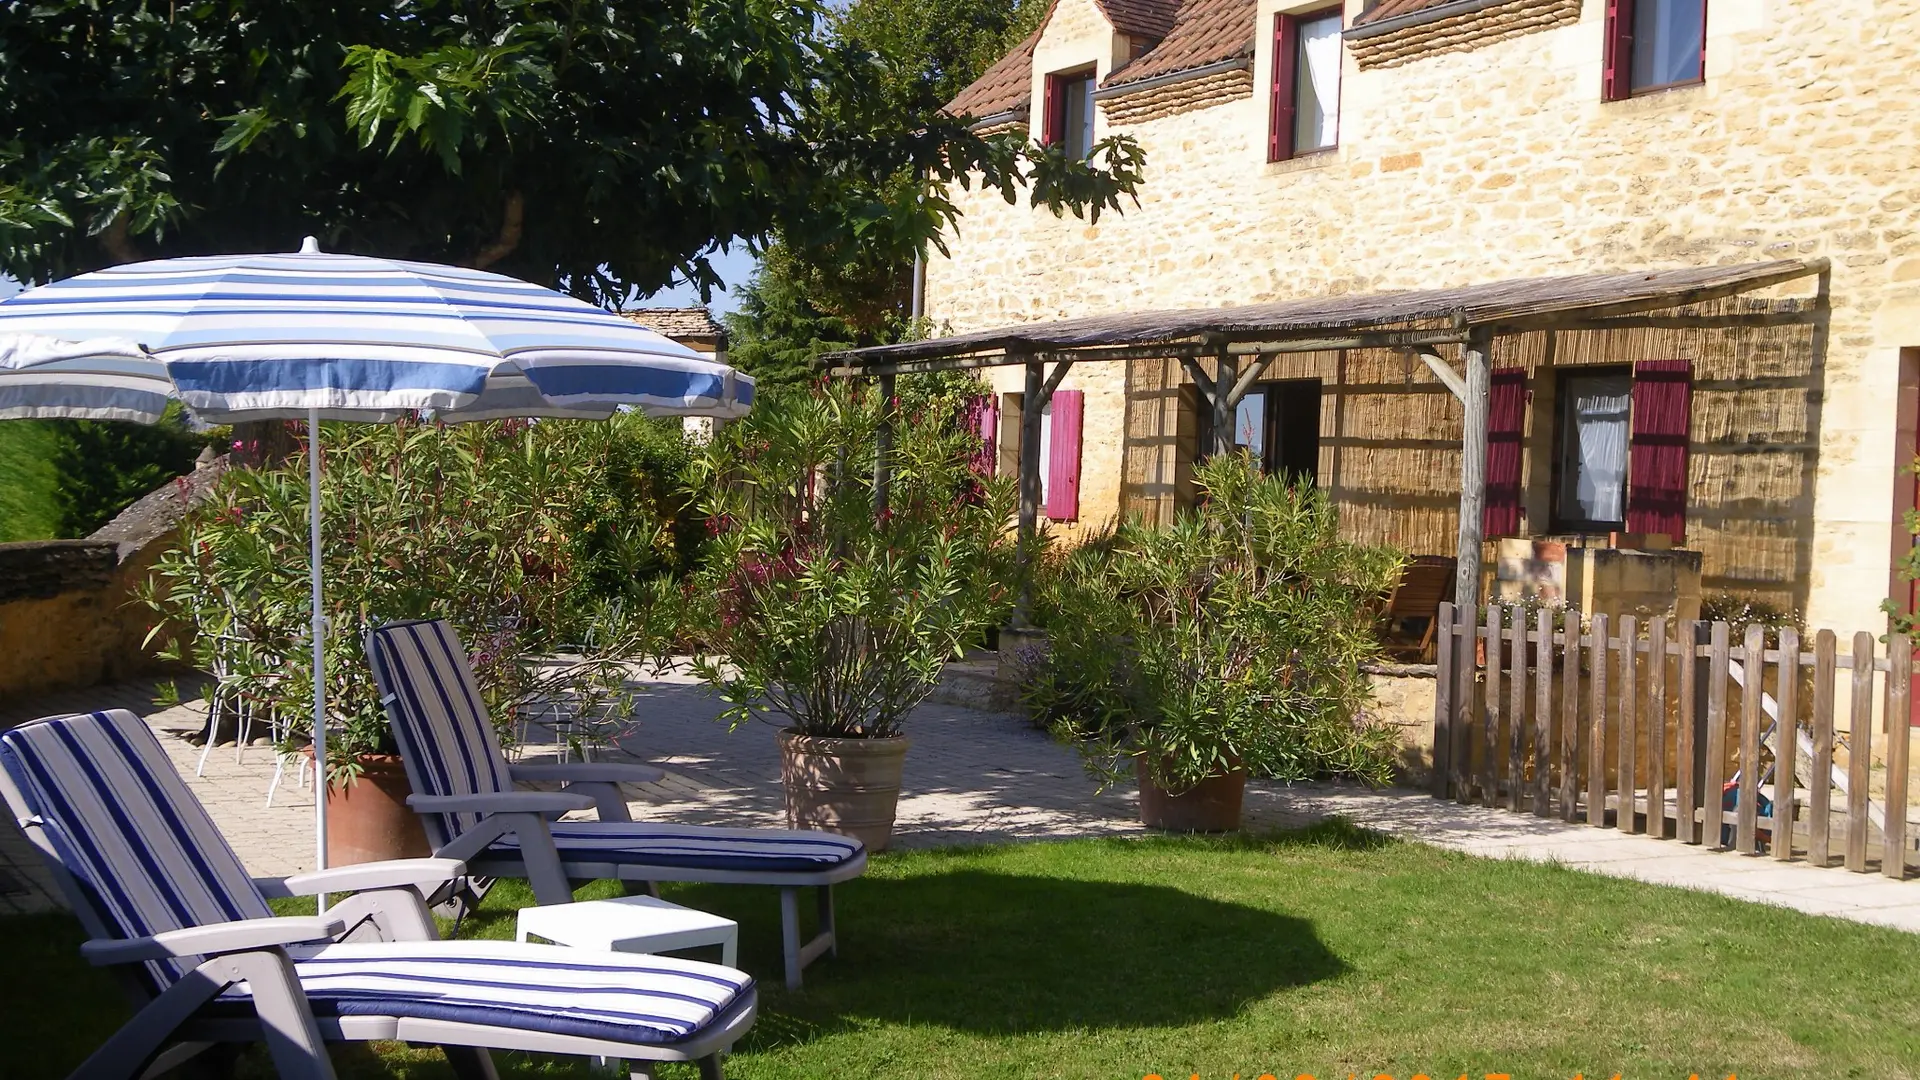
<point x="368" y="819"/>
<point x="848" y="786"/>
<point x="1212" y="805"/>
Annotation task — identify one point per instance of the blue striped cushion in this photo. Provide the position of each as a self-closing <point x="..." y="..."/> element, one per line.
<point x="127" y="828"/>
<point x="694" y="846"/>
<point x="598" y="995"/>
<point x="438" y="718"/>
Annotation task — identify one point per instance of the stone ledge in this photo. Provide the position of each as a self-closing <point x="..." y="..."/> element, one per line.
<point x="40" y="569"/>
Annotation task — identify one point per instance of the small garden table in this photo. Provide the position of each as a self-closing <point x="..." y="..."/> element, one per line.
<point x="635" y="924"/>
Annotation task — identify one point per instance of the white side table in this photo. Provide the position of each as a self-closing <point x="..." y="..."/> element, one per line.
<point x="635" y="924"/>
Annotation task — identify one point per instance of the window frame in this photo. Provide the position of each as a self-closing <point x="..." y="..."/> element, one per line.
<point x="1562" y="403"/>
<point x="1282" y="95"/>
<point x="1270" y="446"/>
<point x="1616" y="71"/>
<point x="1053" y="130"/>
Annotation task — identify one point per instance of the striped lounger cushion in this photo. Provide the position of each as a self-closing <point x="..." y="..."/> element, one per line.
<point x="692" y="847"/>
<point x="618" y="997"/>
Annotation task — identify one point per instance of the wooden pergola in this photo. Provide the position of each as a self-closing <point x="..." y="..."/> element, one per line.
<point x="1242" y="341"/>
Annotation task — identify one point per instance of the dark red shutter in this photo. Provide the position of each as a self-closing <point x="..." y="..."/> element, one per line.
<point x="1063" y="456"/>
<point x="1506" y="432"/>
<point x="1616" y="75"/>
<point x="1053" y="120"/>
<point x="1657" y="450"/>
<point x="1286" y="47"/>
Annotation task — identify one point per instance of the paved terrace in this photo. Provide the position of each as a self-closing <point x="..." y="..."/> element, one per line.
<point x="972" y="777"/>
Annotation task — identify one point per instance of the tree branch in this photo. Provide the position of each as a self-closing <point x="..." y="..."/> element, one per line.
<point x="512" y="222"/>
<point x="118" y="243"/>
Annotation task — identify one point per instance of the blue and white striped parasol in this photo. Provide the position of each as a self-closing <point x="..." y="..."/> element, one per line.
<point x="319" y="337"/>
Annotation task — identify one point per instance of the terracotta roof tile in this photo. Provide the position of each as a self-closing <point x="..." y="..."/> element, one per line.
<point x="680" y="324"/>
<point x="1206" y="32"/>
<point x="1005" y="85"/>
<point x="1142" y="18"/>
<point x="1387" y="9"/>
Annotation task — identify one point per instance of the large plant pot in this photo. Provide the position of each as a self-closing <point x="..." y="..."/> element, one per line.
<point x="368" y="820"/>
<point x="1212" y="805"/>
<point x="848" y="786"/>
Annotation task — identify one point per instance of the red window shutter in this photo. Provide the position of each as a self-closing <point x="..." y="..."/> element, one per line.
<point x="1063" y="461"/>
<point x="1657" y="448"/>
<point x="1506" y="431"/>
<point x="1286" y="46"/>
<point x="1616" y="75"/>
<point x="1053" y="120"/>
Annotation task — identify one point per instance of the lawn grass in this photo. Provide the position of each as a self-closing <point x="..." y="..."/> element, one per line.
<point x="1330" y="952"/>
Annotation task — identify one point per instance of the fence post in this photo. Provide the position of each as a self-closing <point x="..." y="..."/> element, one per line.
<point x="1820" y="797"/>
<point x="1691" y="698"/>
<point x="1860" y="753"/>
<point x="1893" y="858"/>
<point x="1657" y="728"/>
<point x="1542" y="710"/>
<point x="1569" y="752"/>
<point x="1626" y="781"/>
<point x="1517" y="710"/>
<point x="1597" y="726"/>
<point x="1753" y="663"/>
<point x="1712" y="803"/>
<point x="1443" y="701"/>
<point x="1786" y="742"/>
<point x="1490" y="759"/>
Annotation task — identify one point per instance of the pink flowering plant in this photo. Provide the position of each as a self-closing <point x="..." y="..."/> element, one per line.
<point x="554" y="548"/>
<point x="821" y="607"/>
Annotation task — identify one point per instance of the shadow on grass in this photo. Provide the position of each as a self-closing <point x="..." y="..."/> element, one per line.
<point x="985" y="952"/>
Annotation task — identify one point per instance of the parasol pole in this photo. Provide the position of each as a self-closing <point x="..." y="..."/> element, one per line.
<point x="319" y="631"/>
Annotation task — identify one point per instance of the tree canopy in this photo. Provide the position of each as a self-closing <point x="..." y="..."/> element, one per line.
<point x="812" y="295"/>
<point x="601" y="147"/>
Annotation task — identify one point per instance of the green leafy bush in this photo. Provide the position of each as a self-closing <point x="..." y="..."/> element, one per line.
<point x="1230" y="640"/>
<point x="815" y="606"/>
<point x="531" y="538"/>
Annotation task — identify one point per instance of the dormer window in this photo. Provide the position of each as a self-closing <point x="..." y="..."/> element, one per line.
<point x="1306" y="84"/>
<point x="1069" y="112"/>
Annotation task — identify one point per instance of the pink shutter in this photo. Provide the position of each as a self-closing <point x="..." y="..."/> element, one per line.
<point x="1657" y="449"/>
<point x="1616" y="73"/>
<point x="1063" y="463"/>
<point x="1506" y="428"/>
<point x="1286" y="38"/>
<point x="1053" y="109"/>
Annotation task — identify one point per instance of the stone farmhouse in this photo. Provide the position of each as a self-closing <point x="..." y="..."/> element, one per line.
<point x="1306" y="154"/>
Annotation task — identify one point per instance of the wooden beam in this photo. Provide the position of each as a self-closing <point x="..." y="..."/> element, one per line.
<point x="1181" y="349"/>
<point x="1445" y="373"/>
<point x="1247" y="378"/>
<point x="883" y="446"/>
<point x="1200" y="379"/>
<point x="1473" y="469"/>
<point x="1031" y="402"/>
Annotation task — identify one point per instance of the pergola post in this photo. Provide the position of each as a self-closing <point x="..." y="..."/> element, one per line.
<point x="1226" y="373"/>
<point x="1473" y="469"/>
<point x="1032" y="400"/>
<point x="883" y="445"/>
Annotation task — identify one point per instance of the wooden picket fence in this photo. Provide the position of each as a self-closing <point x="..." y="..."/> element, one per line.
<point x="1650" y="726"/>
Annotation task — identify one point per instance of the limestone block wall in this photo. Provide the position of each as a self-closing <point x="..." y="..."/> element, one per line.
<point x="1502" y="161"/>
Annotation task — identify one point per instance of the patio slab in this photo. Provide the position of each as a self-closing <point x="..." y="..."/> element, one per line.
<point x="971" y="777"/>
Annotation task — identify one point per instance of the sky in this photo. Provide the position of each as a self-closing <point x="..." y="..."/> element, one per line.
<point x="734" y="267"/>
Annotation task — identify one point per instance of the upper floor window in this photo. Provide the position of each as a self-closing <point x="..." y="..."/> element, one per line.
<point x="1069" y="113"/>
<point x="1654" y="45"/>
<point x="1306" y="84"/>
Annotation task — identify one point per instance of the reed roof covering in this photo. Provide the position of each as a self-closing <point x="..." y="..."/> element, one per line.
<point x="1525" y="303"/>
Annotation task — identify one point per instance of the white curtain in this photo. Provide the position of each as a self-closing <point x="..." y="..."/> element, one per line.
<point x="1600" y="408"/>
<point x="1046" y="451"/>
<point x="1320" y="56"/>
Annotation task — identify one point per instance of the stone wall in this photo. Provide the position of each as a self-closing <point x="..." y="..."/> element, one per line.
<point x="68" y="611"/>
<point x="1502" y="161"/>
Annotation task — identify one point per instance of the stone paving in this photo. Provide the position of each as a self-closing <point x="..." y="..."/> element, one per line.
<point x="976" y="777"/>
